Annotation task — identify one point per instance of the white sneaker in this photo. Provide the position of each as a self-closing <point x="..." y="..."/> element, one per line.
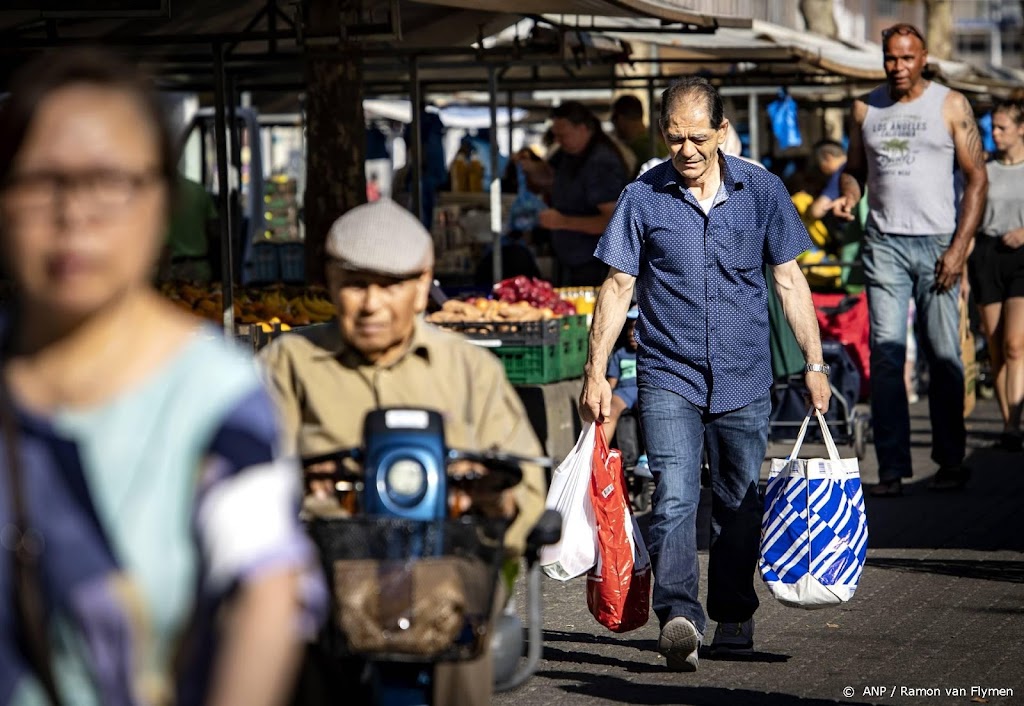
<point x="734" y="638"/>
<point x="679" y="642"/>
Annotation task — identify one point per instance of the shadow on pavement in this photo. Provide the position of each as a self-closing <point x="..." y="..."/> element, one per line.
<point x="579" y="653"/>
<point x="578" y="657"/>
<point x="602" y="639"/>
<point x="985" y="515"/>
<point x="608" y="688"/>
<point x="755" y="656"/>
<point x="1008" y="571"/>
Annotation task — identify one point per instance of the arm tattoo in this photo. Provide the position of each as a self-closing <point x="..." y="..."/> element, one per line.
<point x="975" y="152"/>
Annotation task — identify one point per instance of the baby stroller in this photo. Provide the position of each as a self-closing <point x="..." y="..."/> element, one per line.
<point x="846" y="423"/>
<point x="789" y="407"/>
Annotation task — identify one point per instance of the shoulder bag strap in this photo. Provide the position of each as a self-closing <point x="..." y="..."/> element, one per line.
<point x="25" y="550"/>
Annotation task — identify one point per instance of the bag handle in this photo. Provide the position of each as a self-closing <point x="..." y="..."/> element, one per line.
<point x="826" y="434"/>
<point x="25" y="548"/>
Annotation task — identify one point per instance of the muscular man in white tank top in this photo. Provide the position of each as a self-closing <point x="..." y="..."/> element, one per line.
<point x="906" y="137"/>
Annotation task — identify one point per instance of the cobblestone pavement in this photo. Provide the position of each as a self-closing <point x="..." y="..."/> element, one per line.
<point x="938" y="618"/>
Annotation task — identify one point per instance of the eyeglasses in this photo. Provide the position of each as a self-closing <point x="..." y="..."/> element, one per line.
<point x="902" y="29"/>
<point x="98" y="191"/>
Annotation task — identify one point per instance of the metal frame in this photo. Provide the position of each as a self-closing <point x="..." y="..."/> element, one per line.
<point x="227" y="281"/>
<point x="84" y="13"/>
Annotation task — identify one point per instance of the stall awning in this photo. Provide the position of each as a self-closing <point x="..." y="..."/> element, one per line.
<point x="785" y="53"/>
<point x="663" y="10"/>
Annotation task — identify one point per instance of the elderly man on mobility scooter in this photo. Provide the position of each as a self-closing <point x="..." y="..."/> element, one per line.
<point x="377" y="355"/>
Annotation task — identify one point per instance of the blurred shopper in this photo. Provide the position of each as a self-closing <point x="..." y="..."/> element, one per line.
<point x="161" y="556"/>
<point x="692" y="236"/>
<point x="905" y="138"/>
<point x="802" y="186"/>
<point x="191" y="236"/>
<point x="997" y="266"/>
<point x="583" y="179"/>
<point x="630" y="128"/>
<point x="621" y="375"/>
<point x="830" y="158"/>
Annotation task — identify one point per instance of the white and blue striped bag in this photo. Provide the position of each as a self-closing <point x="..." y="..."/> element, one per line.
<point x="814" y="535"/>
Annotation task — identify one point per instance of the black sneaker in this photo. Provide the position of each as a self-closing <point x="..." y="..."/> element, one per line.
<point x="734" y="638"/>
<point x="1011" y="441"/>
<point x="950" y="478"/>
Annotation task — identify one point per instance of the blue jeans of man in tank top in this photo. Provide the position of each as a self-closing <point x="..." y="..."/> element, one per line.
<point x="676" y="431"/>
<point x="897" y="268"/>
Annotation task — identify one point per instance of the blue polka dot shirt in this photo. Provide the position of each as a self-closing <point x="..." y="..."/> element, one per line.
<point x="703" y="325"/>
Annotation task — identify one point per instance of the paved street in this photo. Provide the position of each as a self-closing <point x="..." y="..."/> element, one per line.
<point x="939" y="613"/>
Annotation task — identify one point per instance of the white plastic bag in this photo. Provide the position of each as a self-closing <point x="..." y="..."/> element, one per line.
<point x="569" y="493"/>
<point x="814" y="535"/>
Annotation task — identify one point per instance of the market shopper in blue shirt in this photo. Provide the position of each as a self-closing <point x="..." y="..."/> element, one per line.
<point x="692" y="237"/>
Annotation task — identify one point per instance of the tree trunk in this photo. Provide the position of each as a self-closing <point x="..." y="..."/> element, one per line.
<point x="336" y="149"/>
<point x="938" y="28"/>
<point x="818" y="17"/>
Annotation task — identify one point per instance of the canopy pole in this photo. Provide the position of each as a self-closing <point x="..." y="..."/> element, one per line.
<point x="224" y="191"/>
<point x="652" y="123"/>
<point x="414" y="150"/>
<point x="653" y="116"/>
<point x="754" y="125"/>
<point x="511" y="124"/>
<point x="495" y="185"/>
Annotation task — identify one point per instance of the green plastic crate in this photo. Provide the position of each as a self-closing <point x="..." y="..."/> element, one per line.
<point x="574" y="346"/>
<point x="531" y="365"/>
<point x="573" y="357"/>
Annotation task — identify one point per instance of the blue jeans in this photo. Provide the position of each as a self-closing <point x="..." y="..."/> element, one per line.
<point x="899" y="267"/>
<point x="676" y="432"/>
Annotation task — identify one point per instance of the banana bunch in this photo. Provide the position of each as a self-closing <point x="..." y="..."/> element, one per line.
<point x="273" y="300"/>
<point x="265" y="307"/>
<point x="318" y="308"/>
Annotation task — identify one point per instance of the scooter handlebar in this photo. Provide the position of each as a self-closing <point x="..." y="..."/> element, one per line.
<point x="505" y="469"/>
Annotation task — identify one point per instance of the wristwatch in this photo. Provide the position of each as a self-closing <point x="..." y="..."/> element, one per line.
<point x="818" y="368"/>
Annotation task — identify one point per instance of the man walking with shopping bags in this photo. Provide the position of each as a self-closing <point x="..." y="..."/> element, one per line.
<point x="692" y="236"/>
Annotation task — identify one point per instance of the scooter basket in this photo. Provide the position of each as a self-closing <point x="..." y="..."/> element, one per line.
<point x="404" y="590"/>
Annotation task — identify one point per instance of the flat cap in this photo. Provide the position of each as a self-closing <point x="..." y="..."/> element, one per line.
<point x="381" y="237"/>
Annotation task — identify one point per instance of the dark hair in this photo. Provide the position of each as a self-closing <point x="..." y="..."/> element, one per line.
<point x="579" y="114"/>
<point x="903" y="28"/>
<point x="829" y="148"/>
<point x="1014" y="109"/>
<point x="688" y="86"/>
<point x="628" y="106"/>
<point x="51" y="72"/>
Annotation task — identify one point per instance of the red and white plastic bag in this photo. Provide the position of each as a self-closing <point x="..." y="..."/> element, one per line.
<point x="619" y="586"/>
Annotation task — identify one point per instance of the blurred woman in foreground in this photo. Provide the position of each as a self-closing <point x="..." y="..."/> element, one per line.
<point x="163" y="546"/>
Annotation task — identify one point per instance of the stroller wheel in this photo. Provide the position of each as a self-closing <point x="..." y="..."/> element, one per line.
<point x="860" y="433"/>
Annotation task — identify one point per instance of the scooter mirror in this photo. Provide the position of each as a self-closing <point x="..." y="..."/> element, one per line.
<point x="548" y="530"/>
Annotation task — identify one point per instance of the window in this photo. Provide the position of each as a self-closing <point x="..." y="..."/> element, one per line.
<point x="890" y="8"/>
<point x="972" y="43"/>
